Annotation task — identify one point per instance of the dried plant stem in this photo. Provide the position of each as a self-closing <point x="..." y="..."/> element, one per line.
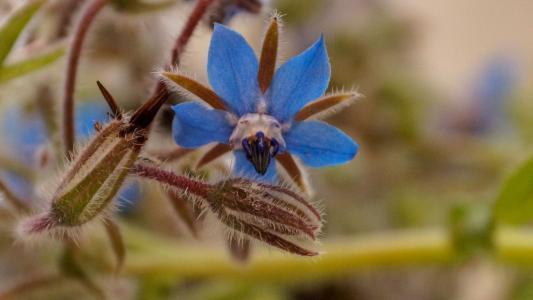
<point x="88" y="15"/>
<point x="183" y="183"/>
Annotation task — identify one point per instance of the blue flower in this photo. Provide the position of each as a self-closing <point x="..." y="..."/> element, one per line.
<point x="261" y="113"/>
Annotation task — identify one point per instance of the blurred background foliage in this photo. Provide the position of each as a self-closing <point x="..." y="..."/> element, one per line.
<point x="436" y="143"/>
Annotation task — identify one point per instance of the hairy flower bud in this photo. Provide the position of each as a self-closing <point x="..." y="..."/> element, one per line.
<point x="94" y="177"/>
<point x="98" y="170"/>
<point x="271" y="214"/>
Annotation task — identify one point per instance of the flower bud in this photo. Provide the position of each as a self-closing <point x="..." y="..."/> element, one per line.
<point x="271" y="214"/>
<point x="99" y="170"/>
<point x="93" y="178"/>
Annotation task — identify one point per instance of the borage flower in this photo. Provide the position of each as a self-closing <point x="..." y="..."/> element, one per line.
<point x="261" y="114"/>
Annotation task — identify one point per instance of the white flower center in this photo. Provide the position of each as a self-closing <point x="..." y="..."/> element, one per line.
<point x="250" y="124"/>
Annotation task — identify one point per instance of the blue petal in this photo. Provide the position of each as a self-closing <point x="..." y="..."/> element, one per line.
<point x="244" y="168"/>
<point x="22" y="132"/>
<point x="195" y="125"/>
<point x="319" y="144"/>
<point x="299" y="81"/>
<point x="232" y="70"/>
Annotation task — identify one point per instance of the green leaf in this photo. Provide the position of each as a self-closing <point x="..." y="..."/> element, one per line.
<point x="515" y="202"/>
<point x="11" y="30"/>
<point x="30" y="65"/>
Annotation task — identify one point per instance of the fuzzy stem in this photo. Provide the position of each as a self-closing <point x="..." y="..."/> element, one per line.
<point x="88" y="15"/>
<point x="180" y="182"/>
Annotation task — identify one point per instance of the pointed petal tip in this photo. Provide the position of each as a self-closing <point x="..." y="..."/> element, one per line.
<point x="231" y="65"/>
<point x="300" y="80"/>
<point x="221" y="28"/>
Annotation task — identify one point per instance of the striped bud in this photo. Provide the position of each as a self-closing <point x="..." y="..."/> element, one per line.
<point x="94" y="177"/>
<point x="271" y="214"/>
<point x="98" y="170"/>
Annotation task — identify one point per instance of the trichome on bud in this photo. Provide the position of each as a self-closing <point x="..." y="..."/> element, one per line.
<point x="98" y="171"/>
<point x="271" y="214"/>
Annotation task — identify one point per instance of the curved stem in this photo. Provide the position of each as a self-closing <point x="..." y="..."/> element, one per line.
<point x="186" y="33"/>
<point x="88" y="15"/>
<point x="161" y="94"/>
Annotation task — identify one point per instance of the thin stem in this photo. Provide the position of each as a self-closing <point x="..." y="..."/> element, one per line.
<point x="180" y="182"/>
<point x="12" y="198"/>
<point x="160" y="95"/>
<point x="187" y="31"/>
<point x="88" y="15"/>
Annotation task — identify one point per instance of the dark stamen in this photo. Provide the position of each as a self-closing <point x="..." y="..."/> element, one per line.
<point x="259" y="150"/>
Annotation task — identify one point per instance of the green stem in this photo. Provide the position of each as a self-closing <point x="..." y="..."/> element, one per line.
<point x="148" y="254"/>
<point x="341" y="256"/>
<point x="514" y="245"/>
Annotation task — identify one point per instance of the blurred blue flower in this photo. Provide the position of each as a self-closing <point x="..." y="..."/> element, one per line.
<point x="25" y="131"/>
<point x="493" y="86"/>
<point x="258" y="126"/>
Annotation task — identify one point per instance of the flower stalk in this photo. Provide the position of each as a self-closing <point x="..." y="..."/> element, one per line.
<point x="247" y="209"/>
<point x="88" y="15"/>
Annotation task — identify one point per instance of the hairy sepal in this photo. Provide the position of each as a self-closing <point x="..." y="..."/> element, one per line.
<point x="92" y="179"/>
<point x="276" y="216"/>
